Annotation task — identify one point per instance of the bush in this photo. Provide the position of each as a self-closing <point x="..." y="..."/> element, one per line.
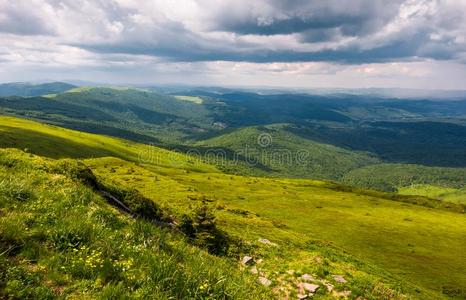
<point x="138" y="204"/>
<point x="76" y="170"/>
<point x="201" y="228"/>
<point x="187" y="226"/>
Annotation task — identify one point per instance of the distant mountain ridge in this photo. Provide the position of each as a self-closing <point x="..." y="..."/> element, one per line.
<point x="25" y="89"/>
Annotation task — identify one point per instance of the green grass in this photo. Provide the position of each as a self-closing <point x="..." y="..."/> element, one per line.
<point x="59" y="239"/>
<point x="384" y="248"/>
<point x="56" y="142"/>
<point x="419" y="244"/>
<point x="446" y="194"/>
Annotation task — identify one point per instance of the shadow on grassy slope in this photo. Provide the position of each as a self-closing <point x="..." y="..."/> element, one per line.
<point x="47" y="145"/>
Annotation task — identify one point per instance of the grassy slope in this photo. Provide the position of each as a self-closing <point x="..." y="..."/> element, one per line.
<point x="453" y="195"/>
<point x="423" y="247"/>
<point x="60" y="239"/>
<point x="56" y="142"/>
<point x="418" y="244"/>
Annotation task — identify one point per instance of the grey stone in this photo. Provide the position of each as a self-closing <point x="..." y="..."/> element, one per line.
<point x="310" y="287"/>
<point x="247" y="260"/>
<point x="265" y="281"/>
<point x="307" y="277"/>
<point x="339" y="278"/>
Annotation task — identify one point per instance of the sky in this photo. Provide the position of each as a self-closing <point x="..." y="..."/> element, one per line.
<point x="296" y="43"/>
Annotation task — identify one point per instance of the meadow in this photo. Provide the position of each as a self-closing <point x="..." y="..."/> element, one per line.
<point x="60" y="239"/>
<point x="454" y="195"/>
<point x="383" y="248"/>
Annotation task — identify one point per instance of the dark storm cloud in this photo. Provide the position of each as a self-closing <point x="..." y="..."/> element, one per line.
<point x="344" y="31"/>
<point x="356" y="17"/>
<point x="186" y="46"/>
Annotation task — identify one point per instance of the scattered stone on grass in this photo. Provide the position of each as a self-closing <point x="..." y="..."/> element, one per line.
<point x="308" y="277"/>
<point x="310" y="287"/>
<point x="265" y="281"/>
<point x="266" y="241"/>
<point x="339" y="278"/>
<point x="247" y="260"/>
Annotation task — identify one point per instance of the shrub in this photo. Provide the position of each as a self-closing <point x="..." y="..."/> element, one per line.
<point x="187" y="226"/>
<point x="201" y="228"/>
<point x="76" y="170"/>
<point x="138" y="204"/>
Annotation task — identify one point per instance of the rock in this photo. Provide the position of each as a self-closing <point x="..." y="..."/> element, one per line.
<point x="254" y="270"/>
<point x="266" y="241"/>
<point x="307" y="277"/>
<point x="339" y="278"/>
<point x="302" y="296"/>
<point x="247" y="260"/>
<point x="265" y="281"/>
<point x="310" y="287"/>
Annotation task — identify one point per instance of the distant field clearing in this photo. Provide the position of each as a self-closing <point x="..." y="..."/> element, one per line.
<point x="442" y="193"/>
<point x="194" y="99"/>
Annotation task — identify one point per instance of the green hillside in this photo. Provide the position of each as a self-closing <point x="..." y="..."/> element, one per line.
<point x="285" y="154"/>
<point x="56" y="142"/>
<point x="135" y="114"/>
<point x="30" y="89"/>
<point x="383" y="249"/>
<point x="59" y="238"/>
<point x="275" y="151"/>
<point x="391" y="177"/>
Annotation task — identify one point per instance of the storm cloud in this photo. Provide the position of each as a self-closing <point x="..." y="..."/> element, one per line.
<point x="343" y="32"/>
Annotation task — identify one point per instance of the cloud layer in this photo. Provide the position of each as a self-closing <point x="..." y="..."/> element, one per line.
<point x="102" y="35"/>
